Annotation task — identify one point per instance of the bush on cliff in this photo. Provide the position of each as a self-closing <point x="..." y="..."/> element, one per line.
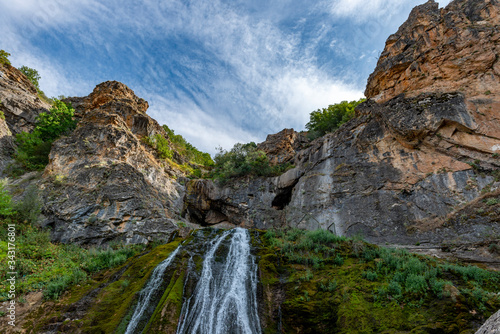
<point x="187" y="150"/>
<point x="160" y="144"/>
<point x="4" y="57"/>
<point x="34" y="148"/>
<point x="330" y="119"/>
<point x="243" y="159"/>
<point x="32" y="75"/>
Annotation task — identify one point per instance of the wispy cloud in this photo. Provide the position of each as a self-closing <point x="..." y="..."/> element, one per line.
<point x="217" y="72"/>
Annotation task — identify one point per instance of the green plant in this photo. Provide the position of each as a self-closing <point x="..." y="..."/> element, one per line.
<point x="187" y="150"/>
<point x="6" y="208"/>
<point x="492" y="201"/>
<point x="370" y="275"/>
<point x="34" y="148"/>
<point x="4" y="57"/>
<point x="160" y="144"/>
<point x="29" y="208"/>
<point x="32" y="75"/>
<point x="330" y="119"/>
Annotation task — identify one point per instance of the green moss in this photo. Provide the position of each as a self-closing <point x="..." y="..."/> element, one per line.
<point x="373" y="290"/>
<point x="116" y="299"/>
<point x="167" y="312"/>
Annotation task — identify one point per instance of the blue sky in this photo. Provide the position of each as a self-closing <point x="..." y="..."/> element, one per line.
<point x="216" y="71"/>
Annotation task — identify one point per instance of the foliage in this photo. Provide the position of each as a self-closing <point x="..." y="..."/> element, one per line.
<point x="356" y="287"/>
<point x="40" y="264"/>
<point x="243" y="159"/>
<point x="160" y="144"/>
<point x="32" y="75"/>
<point x="330" y="119"/>
<point x="28" y="210"/>
<point x="6" y="208"/>
<point x="187" y="150"/>
<point x="4" y="57"/>
<point x="34" y="148"/>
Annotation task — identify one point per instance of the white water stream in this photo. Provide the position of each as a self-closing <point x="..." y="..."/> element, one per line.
<point x="225" y="298"/>
<point x="149" y="291"/>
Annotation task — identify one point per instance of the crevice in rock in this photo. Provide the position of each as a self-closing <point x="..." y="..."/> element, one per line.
<point x="283" y="197"/>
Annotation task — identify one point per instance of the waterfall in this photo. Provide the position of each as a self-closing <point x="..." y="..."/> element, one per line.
<point x="225" y="298"/>
<point x="149" y="291"/>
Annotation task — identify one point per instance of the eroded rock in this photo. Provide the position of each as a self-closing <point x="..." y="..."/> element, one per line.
<point x="106" y="184"/>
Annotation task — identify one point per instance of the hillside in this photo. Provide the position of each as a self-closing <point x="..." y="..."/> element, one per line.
<point x="417" y="168"/>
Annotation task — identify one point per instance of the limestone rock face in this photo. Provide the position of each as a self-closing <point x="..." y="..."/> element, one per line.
<point x="19" y="101"/>
<point x="6" y="144"/>
<point x="106" y="184"/>
<point x="282" y="146"/>
<point x="423" y="147"/>
<point x="441" y="50"/>
<point x="491" y="326"/>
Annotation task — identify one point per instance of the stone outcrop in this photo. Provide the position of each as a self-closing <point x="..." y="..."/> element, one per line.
<point x="419" y="150"/>
<point x="491" y="326"/>
<point x="19" y="100"/>
<point x="104" y="182"/>
<point x="281" y="147"/>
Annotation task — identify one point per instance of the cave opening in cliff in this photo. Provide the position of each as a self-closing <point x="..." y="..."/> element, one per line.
<point x="283" y="198"/>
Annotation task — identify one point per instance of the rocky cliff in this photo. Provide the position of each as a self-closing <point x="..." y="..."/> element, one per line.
<point x="19" y="106"/>
<point x="419" y="163"/>
<point x="19" y="99"/>
<point x="424" y="145"/>
<point x="107" y="184"/>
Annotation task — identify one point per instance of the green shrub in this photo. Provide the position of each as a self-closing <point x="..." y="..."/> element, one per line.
<point x="32" y="75"/>
<point x="6" y="208"/>
<point x="492" y="201"/>
<point x="34" y="148"/>
<point x="28" y="210"/>
<point x="4" y="57"/>
<point x="394" y="289"/>
<point x="416" y="284"/>
<point x="370" y="275"/>
<point x="56" y="287"/>
<point x="187" y="150"/>
<point x="160" y="144"/>
<point x="330" y="119"/>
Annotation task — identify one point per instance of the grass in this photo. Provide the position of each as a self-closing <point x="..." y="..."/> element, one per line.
<point x="43" y="265"/>
<point x="362" y="288"/>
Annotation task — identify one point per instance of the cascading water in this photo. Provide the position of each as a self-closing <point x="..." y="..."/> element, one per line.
<point x="225" y="298"/>
<point x="149" y="291"/>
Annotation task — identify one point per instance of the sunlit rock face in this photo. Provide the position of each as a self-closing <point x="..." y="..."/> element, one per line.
<point x="106" y="183"/>
<point x="20" y="103"/>
<point x="424" y="146"/>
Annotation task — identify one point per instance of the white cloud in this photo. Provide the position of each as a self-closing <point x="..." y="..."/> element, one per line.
<point x="268" y="78"/>
<point x="360" y="10"/>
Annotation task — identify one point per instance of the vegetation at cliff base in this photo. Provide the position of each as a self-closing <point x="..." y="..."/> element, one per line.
<point x="243" y="159"/>
<point x="34" y="148"/>
<point x="41" y="264"/>
<point x="330" y="119"/>
<point x="334" y="284"/>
